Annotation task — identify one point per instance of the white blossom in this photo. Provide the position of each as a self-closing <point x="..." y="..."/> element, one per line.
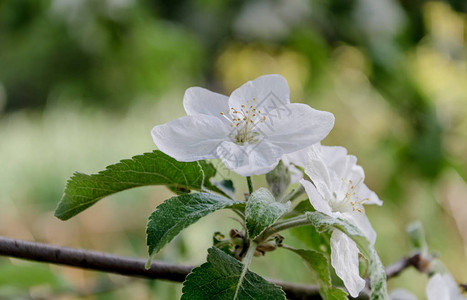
<point x="337" y="189"/>
<point x="249" y="131"/>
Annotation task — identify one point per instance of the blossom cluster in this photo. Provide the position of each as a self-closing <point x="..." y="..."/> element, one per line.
<point x="258" y="126"/>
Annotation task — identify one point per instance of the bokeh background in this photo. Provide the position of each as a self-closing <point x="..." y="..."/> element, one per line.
<point x="82" y="83"/>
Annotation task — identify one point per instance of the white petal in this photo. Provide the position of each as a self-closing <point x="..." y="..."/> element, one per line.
<point x="249" y="159"/>
<point x="269" y="92"/>
<point x="316" y="199"/>
<point x="295" y="174"/>
<point x="298" y="158"/>
<point x="452" y="287"/>
<point x="198" y="100"/>
<point x="364" y="192"/>
<point x="328" y="167"/>
<point x="344" y="259"/>
<point x="190" y="138"/>
<point x="400" y="294"/>
<point x="361" y="221"/>
<point x="347" y="168"/>
<point x="318" y="172"/>
<point x="296" y="126"/>
<point x="436" y="289"/>
<point x="333" y="156"/>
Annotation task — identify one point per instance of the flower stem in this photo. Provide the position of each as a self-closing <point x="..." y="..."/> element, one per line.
<point x="293" y="194"/>
<point x="298" y="192"/>
<point x="251" y="188"/>
<point x="286" y="224"/>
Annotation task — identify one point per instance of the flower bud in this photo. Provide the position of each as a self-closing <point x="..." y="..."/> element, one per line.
<point x="278" y="179"/>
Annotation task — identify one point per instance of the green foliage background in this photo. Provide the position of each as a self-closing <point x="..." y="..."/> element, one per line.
<point x="82" y="83"/>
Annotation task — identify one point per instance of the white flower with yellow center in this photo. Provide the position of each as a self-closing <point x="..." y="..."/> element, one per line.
<point x="249" y="131"/>
<point x="337" y="190"/>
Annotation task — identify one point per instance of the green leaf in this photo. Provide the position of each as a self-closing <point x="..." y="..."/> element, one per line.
<point x="177" y="213"/>
<point x="311" y="237"/>
<point x="220" y="278"/>
<point x="335" y="294"/>
<point x="154" y="168"/>
<point x="262" y="211"/>
<point x="319" y="263"/>
<point x="376" y="268"/>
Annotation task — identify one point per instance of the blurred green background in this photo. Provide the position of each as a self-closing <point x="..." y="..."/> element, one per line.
<point x="82" y="83"/>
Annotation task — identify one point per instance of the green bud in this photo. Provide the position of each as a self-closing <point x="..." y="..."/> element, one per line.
<point x="278" y="179"/>
<point x="417" y="238"/>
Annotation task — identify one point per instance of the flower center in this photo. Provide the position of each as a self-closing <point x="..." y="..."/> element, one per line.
<point x="245" y="120"/>
<point x="351" y="201"/>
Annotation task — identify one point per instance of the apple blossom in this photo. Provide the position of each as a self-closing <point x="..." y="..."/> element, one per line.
<point x="249" y="131"/>
<point x="337" y="189"/>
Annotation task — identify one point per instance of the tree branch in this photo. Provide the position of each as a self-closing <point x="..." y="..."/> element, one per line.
<point x="91" y="260"/>
<point x="98" y="261"/>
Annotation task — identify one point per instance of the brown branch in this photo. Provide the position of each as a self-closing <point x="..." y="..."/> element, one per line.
<point x="91" y="260"/>
<point x="416" y="260"/>
<point x="98" y="261"/>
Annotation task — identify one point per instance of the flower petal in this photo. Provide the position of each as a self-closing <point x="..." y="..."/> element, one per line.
<point x="344" y="259"/>
<point x="333" y="156"/>
<point x="364" y="192"/>
<point x="319" y="173"/>
<point x="452" y="285"/>
<point x="361" y="221"/>
<point x="269" y="92"/>
<point x="190" y="138"/>
<point x="316" y="199"/>
<point x="198" y="100"/>
<point x="296" y="126"/>
<point x="298" y="158"/>
<point x="437" y="289"/>
<point x="342" y="165"/>
<point x="249" y="159"/>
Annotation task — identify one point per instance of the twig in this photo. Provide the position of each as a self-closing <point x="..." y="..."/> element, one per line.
<point x="463" y="287"/>
<point x="416" y="260"/>
<point x="98" y="261"/>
